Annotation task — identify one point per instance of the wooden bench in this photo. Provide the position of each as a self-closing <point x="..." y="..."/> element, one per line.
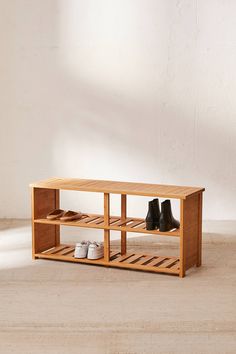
<point x="46" y="233"/>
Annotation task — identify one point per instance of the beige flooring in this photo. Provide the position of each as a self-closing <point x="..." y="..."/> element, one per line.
<point x="57" y="307"/>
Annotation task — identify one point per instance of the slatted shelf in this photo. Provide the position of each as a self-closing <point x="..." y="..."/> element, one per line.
<point x="130" y="260"/>
<point x="116" y="223"/>
<point x="46" y="233"/>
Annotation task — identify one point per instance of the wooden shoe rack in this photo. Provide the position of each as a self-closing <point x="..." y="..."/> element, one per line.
<point x="46" y="233"/>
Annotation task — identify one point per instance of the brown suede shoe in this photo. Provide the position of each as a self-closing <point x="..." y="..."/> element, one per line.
<point x="71" y="215"/>
<point x="55" y="214"/>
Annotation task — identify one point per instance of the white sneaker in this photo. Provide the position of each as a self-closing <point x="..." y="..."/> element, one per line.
<point x="95" y="250"/>
<point x="81" y="249"/>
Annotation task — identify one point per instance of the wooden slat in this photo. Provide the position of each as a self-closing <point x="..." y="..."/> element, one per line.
<point x="175" y="266"/>
<point x="123" y="257"/>
<point x="144" y="260"/>
<point x="135" y="223"/>
<point x="155" y="261"/>
<point x="167" y="191"/>
<point x="141" y="226"/>
<point x="123" y="222"/>
<point x="70" y="254"/>
<point x="94" y="220"/>
<point x="168" y="263"/>
<point x="114" y="255"/>
<point x="84" y="216"/>
<point x="113" y="220"/>
<point x="133" y="258"/>
<point x="99" y="221"/>
<point x="66" y="250"/>
<point x="90" y="219"/>
<point x="86" y="219"/>
<point x="174" y="233"/>
<point x="55" y="249"/>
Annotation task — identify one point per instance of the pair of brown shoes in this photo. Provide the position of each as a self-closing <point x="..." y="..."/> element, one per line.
<point x="64" y="215"/>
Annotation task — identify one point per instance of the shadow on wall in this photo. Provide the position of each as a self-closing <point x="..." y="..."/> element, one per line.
<point x="124" y="90"/>
<point x="147" y="94"/>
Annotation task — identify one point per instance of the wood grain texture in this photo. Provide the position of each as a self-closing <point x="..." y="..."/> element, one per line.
<point x="130" y="188"/>
<point x="190" y="233"/>
<point x="199" y="251"/>
<point x="57" y="206"/>
<point x="44" y="236"/>
<point x="129" y="261"/>
<point x="182" y="241"/>
<point x="46" y="233"/>
<point x="106" y="223"/>
<point x="123" y="217"/>
<point x="96" y="221"/>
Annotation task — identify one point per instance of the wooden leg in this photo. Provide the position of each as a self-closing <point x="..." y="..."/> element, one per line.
<point x="182" y="244"/>
<point x="44" y="236"/>
<point x="190" y="233"/>
<point x="107" y="245"/>
<point x="106" y="223"/>
<point x="57" y="206"/>
<point x="199" y="255"/>
<point x="32" y="221"/>
<point x="123" y="217"/>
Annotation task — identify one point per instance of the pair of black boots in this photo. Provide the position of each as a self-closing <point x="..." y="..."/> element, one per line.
<point x="162" y="220"/>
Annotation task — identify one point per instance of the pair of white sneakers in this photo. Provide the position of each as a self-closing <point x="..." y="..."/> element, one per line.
<point x="90" y="250"/>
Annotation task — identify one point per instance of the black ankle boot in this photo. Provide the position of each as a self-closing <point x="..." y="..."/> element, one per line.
<point x="156" y="213"/>
<point x="150" y="225"/>
<point x="167" y="221"/>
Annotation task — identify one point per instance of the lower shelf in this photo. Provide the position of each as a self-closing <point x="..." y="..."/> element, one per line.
<point x="130" y="260"/>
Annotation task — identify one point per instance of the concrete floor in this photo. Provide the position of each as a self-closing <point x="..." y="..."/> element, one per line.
<point x="56" y="307"/>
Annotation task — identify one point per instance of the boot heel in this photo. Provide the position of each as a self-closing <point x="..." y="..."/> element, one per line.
<point x="163" y="228"/>
<point x="150" y="226"/>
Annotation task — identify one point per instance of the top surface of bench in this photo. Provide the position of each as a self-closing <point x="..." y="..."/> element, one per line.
<point x="131" y="188"/>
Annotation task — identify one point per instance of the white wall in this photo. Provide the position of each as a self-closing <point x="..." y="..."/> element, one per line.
<point x="138" y="90"/>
